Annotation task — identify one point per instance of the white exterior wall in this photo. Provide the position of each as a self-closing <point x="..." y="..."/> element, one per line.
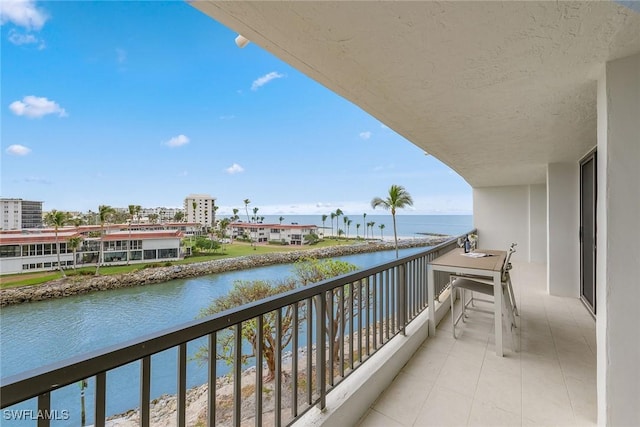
<point x="204" y="213"/>
<point x="563" y="254"/>
<point x="161" y="244"/>
<point x="501" y="215"/>
<point x="618" y="253"/>
<point x="538" y="223"/>
<point x="14" y="265"/>
<point x="11" y="214"/>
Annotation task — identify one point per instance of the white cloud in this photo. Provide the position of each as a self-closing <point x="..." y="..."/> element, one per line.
<point x="234" y="168"/>
<point x="19" y="39"/>
<point x="36" y="107"/>
<point x="18" y="150"/>
<point x="177" y="141"/>
<point x="365" y="135"/>
<point x="37" y="180"/>
<point x="261" y="81"/>
<point x="22" y="13"/>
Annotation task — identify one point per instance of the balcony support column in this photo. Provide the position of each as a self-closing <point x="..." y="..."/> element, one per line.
<point x="618" y="247"/>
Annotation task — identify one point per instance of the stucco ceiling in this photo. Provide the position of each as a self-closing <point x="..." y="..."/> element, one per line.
<point x="496" y="90"/>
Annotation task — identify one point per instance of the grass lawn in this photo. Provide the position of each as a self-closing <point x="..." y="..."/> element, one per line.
<point x="234" y="250"/>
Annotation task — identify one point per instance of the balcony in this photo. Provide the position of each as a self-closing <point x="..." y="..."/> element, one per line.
<point x="399" y="377"/>
<point x="551" y="381"/>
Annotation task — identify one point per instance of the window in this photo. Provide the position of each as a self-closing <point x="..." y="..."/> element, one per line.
<point x="8" y="251"/>
<point x="135" y="244"/>
<point x="150" y="254"/>
<point x="168" y="253"/>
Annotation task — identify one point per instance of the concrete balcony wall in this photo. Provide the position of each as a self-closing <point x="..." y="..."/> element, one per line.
<point x="618" y="256"/>
<point x="514" y="213"/>
<point x="563" y="218"/>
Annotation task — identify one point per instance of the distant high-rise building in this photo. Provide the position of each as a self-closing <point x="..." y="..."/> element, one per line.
<point x="16" y="214"/>
<point x="199" y="208"/>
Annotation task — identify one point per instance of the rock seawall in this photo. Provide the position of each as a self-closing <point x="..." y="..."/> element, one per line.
<point x="78" y="285"/>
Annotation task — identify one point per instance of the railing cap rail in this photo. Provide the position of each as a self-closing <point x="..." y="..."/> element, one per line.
<point x="28" y="384"/>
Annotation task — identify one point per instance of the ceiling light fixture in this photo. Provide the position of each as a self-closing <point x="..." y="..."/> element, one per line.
<point x="241" y="41"/>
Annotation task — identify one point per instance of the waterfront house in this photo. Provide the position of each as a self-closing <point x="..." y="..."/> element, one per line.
<point x="36" y="251"/>
<point x="287" y="234"/>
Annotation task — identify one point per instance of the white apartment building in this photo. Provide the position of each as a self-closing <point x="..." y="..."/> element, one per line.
<point x="16" y="214"/>
<point x="293" y="234"/>
<point x="37" y="251"/>
<point x="200" y="208"/>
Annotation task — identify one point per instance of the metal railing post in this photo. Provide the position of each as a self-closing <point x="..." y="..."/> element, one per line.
<point x="321" y="368"/>
<point x="402" y="298"/>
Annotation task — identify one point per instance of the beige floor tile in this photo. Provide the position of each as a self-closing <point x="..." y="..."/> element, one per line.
<point x="460" y="375"/>
<point x="551" y="381"/>
<point x="483" y="414"/>
<point x="425" y="364"/>
<point x="500" y="388"/>
<point x="444" y="408"/>
<point x="376" y="419"/>
<point x="404" y="398"/>
<point x="443" y="341"/>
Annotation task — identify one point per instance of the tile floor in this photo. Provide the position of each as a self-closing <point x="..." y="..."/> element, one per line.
<point x="551" y="381"/>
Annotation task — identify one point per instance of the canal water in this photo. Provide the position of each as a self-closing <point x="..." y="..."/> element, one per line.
<point x="40" y="333"/>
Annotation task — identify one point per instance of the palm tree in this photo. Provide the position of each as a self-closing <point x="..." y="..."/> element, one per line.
<point x="333" y="215"/>
<point x="194" y="205"/>
<point x="74" y="244"/>
<point x="104" y="212"/>
<point x="324" y="219"/>
<point x="255" y="214"/>
<point x="357" y="230"/>
<point x="138" y="210"/>
<point x="338" y="213"/>
<point x="281" y="219"/>
<point x="57" y="219"/>
<point x="370" y="224"/>
<point x="345" y="219"/>
<point x="364" y="221"/>
<point x="179" y="216"/>
<point x="235" y="214"/>
<point x="153" y="218"/>
<point x="132" y="211"/>
<point x="246" y="207"/>
<point x="398" y="198"/>
<point x="348" y="226"/>
<point x="381" y="234"/>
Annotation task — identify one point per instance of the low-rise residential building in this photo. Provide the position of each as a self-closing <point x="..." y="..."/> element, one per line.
<point x="16" y="214"/>
<point x="288" y="234"/>
<point x="37" y="251"/>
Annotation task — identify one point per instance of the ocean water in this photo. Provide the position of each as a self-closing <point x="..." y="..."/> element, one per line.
<point x="409" y="226"/>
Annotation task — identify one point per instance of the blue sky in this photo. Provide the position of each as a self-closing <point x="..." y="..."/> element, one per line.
<point x="143" y="103"/>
